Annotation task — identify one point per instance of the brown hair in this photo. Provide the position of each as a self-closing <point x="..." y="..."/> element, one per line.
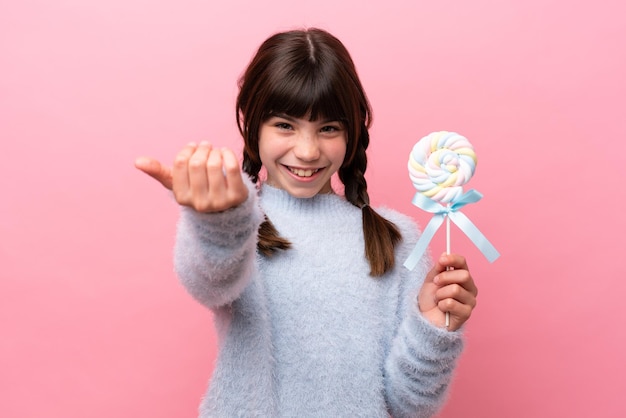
<point x="310" y="72"/>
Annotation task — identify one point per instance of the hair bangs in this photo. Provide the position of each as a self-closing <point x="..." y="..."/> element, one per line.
<point x="306" y="94"/>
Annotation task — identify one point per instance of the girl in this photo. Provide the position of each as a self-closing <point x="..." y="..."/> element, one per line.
<point x="315" y="314"/>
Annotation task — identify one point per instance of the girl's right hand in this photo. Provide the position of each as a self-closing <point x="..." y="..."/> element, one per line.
<point x="204" y="178"/>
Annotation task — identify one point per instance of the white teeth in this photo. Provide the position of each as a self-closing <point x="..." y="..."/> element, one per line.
<point x="303" y="173"/>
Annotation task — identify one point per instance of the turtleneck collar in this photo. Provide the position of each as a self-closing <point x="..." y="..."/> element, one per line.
<point x="321" y="205"/>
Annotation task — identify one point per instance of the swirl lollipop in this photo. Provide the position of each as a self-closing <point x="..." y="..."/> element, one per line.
<point x="439" y="165"/>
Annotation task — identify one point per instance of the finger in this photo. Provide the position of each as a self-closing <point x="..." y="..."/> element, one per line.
<point x="459" y="277"/>
<point x="180" y="173"/>
<point x="452" y="261"/>
<point x="215" y="174"/>
<point x="237" y="190"/>
<point x="459" y="313"/>
<point x="441" y="264"/>
<point x="198" y="180"/>
<point x="231" y="168"/>
<point x="156" y="170"/>
<point x="455" y="292"/>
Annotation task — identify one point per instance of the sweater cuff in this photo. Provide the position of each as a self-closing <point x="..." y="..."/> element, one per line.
<point x="436" y="342"/>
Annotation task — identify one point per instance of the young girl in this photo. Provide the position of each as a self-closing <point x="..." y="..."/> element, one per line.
<point x="315" y="313"/>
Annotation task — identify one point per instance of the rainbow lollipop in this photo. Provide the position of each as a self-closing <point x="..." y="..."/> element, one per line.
<point x="439" y="165"/>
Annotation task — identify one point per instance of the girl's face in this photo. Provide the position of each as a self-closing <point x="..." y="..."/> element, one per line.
<point x="300" y="156"/>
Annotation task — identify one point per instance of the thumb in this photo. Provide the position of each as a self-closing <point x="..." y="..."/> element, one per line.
<point x="426" y="296"/>
<point x="156" y="170"/>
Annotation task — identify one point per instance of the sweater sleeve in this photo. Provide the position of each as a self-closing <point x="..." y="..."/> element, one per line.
<point x="421" y="360"/>
<point x="215" y="253"/>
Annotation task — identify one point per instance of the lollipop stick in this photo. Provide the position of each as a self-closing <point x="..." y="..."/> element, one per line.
<point x="448" y="252"/>
<point x="448" y="233"/>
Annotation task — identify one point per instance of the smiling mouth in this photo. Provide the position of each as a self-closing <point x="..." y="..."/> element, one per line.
<point x="303" y="173"/>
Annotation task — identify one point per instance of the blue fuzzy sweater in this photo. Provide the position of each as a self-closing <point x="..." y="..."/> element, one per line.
<point x="307" y="332"/>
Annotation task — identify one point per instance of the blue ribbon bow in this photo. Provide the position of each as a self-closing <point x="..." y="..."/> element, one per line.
<point x="462" y="221"/>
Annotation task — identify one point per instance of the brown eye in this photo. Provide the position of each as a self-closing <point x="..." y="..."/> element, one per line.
<point x="330" y="129"/>
<point x="283" y="125"/>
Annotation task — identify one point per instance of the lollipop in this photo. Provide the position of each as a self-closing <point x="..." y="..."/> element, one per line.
<point x="439" y="165"/>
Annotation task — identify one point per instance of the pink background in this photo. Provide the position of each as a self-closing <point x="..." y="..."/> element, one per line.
<point x="93" y="322"/>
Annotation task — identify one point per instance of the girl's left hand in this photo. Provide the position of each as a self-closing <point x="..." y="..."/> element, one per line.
<point x="448" y="287"/>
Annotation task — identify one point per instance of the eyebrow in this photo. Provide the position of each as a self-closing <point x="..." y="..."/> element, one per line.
<point x="292" y="119"/>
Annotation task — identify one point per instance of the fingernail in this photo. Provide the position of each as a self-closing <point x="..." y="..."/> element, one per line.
<point x="436" y="279"/>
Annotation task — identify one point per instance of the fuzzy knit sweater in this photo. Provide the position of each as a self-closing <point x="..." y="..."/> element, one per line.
<point x="308" y="332"/>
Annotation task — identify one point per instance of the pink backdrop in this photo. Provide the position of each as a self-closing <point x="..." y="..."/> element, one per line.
<point x="93" y="322"/>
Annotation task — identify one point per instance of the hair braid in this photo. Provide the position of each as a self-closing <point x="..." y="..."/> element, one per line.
<point x="380" y="235"/>
<point x="269" y="241"/>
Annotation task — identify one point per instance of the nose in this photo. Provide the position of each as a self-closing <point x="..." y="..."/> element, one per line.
<point x="307" y="148"/>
